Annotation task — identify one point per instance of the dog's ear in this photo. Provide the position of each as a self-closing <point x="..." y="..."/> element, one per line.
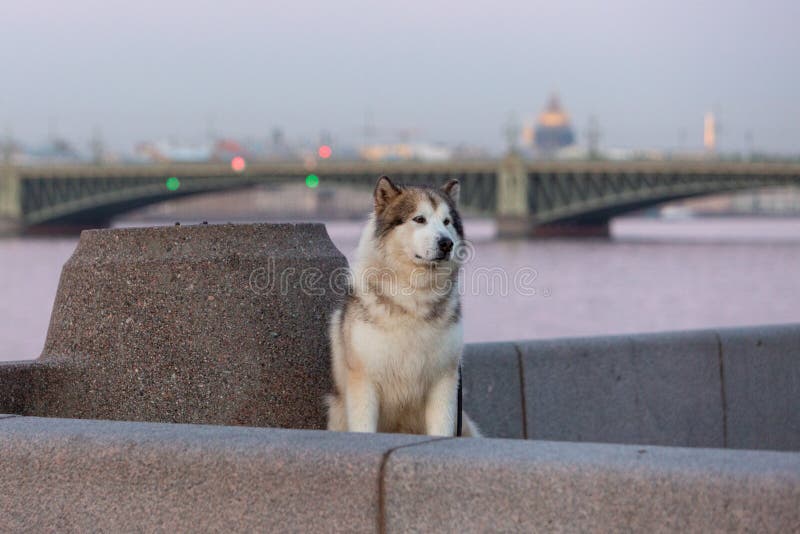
<point x="452" y="189"/>
<point x="385" y="192"/>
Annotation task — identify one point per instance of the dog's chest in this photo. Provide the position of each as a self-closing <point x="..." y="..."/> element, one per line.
<point x="410" y="353"/>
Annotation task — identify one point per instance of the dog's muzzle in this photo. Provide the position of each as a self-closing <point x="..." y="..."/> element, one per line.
<point x="445" y="248"/>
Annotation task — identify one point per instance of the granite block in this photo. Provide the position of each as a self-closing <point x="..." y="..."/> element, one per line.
<point x="492" y="389"/>
<point x="761" y="366"/>
<point x="61" y="475"/>
<point x="209" y="324"/>
<point x="660" y="389"/>
<point x="532" y="486"/>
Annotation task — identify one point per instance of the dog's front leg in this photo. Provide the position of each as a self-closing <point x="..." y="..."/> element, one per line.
<point x="441" y="406"/>
<point x="361" y="402"/>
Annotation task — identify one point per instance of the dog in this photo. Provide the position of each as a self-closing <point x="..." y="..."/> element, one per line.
<point x="397" y="340"/>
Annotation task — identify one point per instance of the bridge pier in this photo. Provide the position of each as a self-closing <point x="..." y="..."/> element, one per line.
<point x="594" y="229"/>
<point x="516" y="217"/>
<point x="10" y="209"/>
<point x="513" y="213"/>
<point x="514" y="227"/>
<point x="525" y="227"/>
<point x="9" y="227"/>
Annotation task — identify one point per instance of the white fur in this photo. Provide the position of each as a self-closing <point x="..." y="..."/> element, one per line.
<point x="424" y="237"/>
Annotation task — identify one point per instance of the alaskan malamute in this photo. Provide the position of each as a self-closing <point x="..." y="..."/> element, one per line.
<point x="396" y="343"/>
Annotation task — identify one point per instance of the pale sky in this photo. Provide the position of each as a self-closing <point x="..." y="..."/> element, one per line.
<point x="648" y="70"/>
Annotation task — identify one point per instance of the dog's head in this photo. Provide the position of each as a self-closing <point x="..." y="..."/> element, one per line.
<point x="420" y="223"/>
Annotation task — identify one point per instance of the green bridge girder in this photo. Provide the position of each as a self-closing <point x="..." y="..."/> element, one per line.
<point x="595" y="193"/>
<point x="85" y="194"/>
<point x="556" y="192"/>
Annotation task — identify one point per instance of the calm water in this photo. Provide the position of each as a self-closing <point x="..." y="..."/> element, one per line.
<point x="654" y="275"/>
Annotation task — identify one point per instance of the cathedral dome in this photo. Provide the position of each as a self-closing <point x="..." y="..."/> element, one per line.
<point x="553" y="129"/>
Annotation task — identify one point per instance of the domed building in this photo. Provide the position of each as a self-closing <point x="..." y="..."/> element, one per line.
<point x="553" y="130"/>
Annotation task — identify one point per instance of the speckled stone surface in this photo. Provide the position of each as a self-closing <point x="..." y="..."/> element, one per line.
<point x="194" y="324"/>
<point x="530" y="486"/>
<point x="24" y="383"/>
<point x="656" y="389"/>
<point x="15" y="383"/>
<point x="492" y="389"/>
<point x="72" y="475"/>
<point x="61" y="475"/>
<point x="761" y="366"/>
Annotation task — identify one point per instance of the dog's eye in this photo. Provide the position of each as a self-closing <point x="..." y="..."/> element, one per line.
<point x="447" y="222"/>
<point x="419" y="219"/>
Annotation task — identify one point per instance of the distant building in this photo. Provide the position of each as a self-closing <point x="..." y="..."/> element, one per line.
<point x="164" y="151"/>
<point x="405" y="152"/>
<point x="709" y="132"/>
<point x="54" y="151"/>
<point x="553" y="130"/>
<point x="227" y="149"/>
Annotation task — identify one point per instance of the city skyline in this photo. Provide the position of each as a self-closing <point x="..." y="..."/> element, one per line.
<point x="455" y="73"/>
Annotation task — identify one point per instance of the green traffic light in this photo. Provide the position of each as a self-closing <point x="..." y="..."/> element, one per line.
<point x="312" y="181"/>
<point x="173" y="183"/>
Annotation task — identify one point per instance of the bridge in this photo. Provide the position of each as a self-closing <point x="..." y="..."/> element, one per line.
<point x="527" y="198"/>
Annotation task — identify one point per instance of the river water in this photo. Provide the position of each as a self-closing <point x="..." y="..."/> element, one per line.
<point x="653" y="275"/>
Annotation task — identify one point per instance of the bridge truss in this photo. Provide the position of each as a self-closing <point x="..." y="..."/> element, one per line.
<point x="556" y="192"/>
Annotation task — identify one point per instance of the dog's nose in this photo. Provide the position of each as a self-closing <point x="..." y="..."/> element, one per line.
<point x="445" y="244"/>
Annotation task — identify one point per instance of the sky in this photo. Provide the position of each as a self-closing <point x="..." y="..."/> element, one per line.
<point x="454" y="72"/>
